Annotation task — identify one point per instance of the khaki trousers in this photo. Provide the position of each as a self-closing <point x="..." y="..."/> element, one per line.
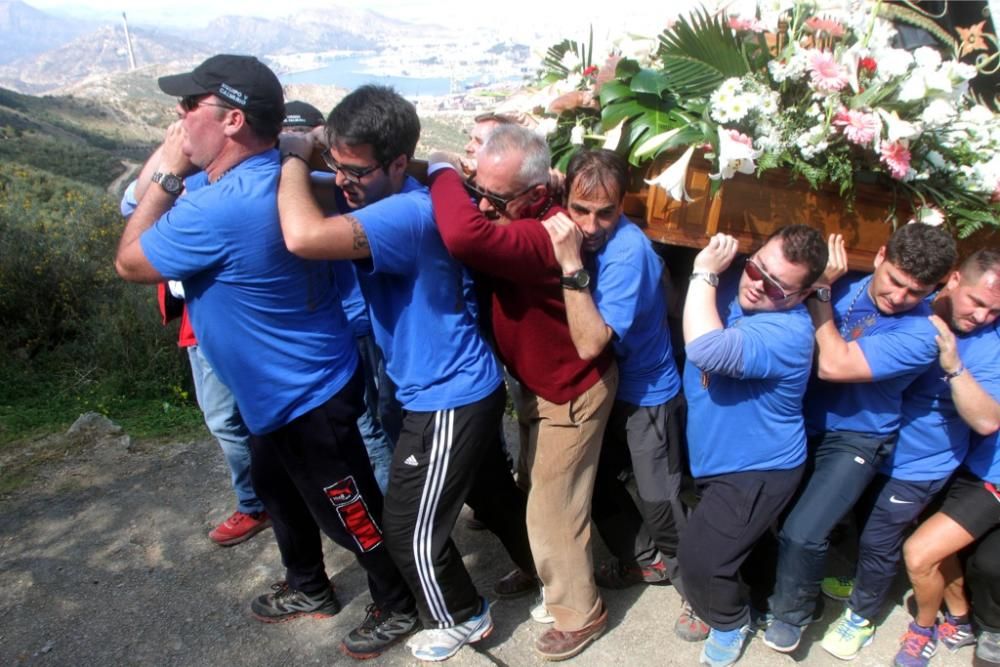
<point x="560" y="447"/>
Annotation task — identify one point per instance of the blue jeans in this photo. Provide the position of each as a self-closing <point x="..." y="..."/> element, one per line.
<point x="377" y="442"/>
<point x="841" y="466"/>
<point x="222" y="417"/>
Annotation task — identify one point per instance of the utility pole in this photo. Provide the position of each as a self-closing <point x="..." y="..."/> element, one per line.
<point x="128" y="44"/>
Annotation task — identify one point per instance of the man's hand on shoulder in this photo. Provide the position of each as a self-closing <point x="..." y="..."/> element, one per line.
<point x="566" y="240"/>
<point x="836" y="265"/>
<point x="300" y="144"/>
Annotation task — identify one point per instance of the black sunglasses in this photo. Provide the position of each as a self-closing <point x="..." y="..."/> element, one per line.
<point x="192" y="102"/>
<point x="498" y="202"/>
<point x="351" y="174"/>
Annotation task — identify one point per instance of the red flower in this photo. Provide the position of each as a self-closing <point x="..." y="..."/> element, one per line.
<point x="868" y="64"/>
<point x="590" y="71"/>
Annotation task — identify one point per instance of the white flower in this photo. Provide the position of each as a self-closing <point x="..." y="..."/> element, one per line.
<point x="929" y="215"/>
<point x="637" y="48"/>
<point x="977" y="115"/>
<point x="576" y="135"/>
<point x="731" y="86"/>
<point x="614" y="136"/>
<point x="546" y="126"/>
<point x="673" y="177"/>
<point x="892" y="63"/>
<point x="935" y="159"/>
<point x="768" y="104"/>
<point x="938" y="113"/>
<point x="736" y="154"/>
<point x="914" y="88"/>
<point x="897" y="129"/>
<point x="927" y="58"/>
<point x="571" y="61"/>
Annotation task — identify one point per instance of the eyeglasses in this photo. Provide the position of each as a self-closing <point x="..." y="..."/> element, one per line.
<point x="771" y="287"/>
<point x="498" y="202"/>
<point x="351" y="174"/>
<point x="192" y="102"/>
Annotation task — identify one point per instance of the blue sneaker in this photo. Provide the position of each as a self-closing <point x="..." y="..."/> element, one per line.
<point x="438" y="644"/>
<point x="724" y="647"/>
<point x="918" y="647"/>
<point x="782" y="637"/>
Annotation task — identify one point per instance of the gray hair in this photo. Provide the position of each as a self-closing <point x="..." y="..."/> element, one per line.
<point x="506" y="139"/>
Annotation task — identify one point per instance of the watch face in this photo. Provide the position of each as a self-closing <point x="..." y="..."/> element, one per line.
<point x="582" y="278"/>
<point x="171" y="184"/>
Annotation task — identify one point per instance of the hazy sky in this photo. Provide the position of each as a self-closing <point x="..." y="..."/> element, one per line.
<point x="507" y="13"/>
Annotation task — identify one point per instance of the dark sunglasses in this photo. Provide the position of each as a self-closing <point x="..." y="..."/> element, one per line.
<point x="192" y="102"/>
<point x="772" y="289"/>
<point x="498" y="202"/>
<point x="351" y="174"/>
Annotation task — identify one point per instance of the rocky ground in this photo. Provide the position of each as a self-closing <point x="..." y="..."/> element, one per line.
<point x="104" y="560"/>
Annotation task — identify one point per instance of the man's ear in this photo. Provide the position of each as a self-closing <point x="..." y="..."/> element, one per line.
<point x="234" y="121"/>
<point x="879" y="257"/>
<point x="397" y="167"/>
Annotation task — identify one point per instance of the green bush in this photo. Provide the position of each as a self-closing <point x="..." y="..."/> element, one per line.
<point x="77" y="337"/>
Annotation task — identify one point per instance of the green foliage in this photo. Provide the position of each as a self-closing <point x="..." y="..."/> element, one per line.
<point x="700" y="52"/>
<point x="74" y="160"/>
<point x="76" y="337"/>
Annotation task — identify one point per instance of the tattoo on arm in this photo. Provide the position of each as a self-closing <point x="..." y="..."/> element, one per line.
<point x="360" y="239"/>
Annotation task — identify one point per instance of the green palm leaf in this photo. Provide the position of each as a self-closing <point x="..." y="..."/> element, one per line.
<point x="699" y="52"/>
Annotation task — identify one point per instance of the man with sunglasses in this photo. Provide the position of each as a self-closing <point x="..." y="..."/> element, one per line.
<point x="873" y="338"/>
<point x="565" y="400"/>
<point x="626" y="310"/>
<point x="447" y="378"/>
<point x="749" y="344"/>
<point x="270" y="324"/>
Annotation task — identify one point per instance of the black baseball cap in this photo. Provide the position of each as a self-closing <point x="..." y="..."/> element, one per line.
<point x="242" y="81"/>
<point x="302" y="114"/>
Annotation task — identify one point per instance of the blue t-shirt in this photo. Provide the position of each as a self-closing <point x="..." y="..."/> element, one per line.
<point x="751" y="422"/>
<point x="269" y="323"/>
<point x="630" y="297"/>
<point x="351" y="298"/>
<point x="422" y="306"/>
<point x="983" y="459"/>
<point x="933" y="437"/>
<point x="898" y="348"/>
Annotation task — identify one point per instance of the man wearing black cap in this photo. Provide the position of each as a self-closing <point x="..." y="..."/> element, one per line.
<point x="269" y="323"/>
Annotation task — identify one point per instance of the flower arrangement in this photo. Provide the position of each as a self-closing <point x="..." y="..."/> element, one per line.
<point x="824" y="94"/>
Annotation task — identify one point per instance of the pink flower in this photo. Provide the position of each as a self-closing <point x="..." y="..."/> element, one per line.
<point x="828" y="26"/>
<point x="739" y="137"/>
<point x="859" y="127"/>
<point x="738" y="24"/>
<point x="896" y="157"/>
<point x="826" y="74"/>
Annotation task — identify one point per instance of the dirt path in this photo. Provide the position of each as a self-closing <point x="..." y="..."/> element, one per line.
<point x="117" y="186"/>
<point x="104" y="561"/>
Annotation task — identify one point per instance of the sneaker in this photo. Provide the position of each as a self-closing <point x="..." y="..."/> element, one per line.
<point x="724" y="647"/>
<point x="987" y="649"/>
<point x="286" y="603"/>
<point x="439" y="644"/>
<point x="848" y="636"/>
<point x="377" y="632"/>
<point x="558" y="645"/>
<point x="837" y="588"/>
<point x="539" y="612"/>
<point x="688" y="626"/>
<point x="782" y="637"/>
<point x="514" y="584"/>
<point x="955" y="635"/>
<point x="239" y="527"/>
<point x="919" y="645"/>
<point x="617" y="574"/>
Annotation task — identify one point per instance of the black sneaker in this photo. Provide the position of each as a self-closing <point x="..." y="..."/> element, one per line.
<point x="617" y="574"/>
<point x="286" y="603"/>
<point x="377" y="632"/>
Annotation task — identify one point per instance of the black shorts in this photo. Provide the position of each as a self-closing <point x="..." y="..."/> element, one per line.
<point x="973" y="504"/>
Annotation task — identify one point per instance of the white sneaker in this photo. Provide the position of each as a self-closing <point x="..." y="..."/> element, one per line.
<point x="439" y="644"/>
<point x="539" y="611"/>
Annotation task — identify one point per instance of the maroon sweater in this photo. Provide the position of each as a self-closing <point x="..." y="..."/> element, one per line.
<point x="529" y="314"/>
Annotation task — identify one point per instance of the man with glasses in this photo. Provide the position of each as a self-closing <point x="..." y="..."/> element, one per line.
<point x="873" y="338"/>
<point x="565" y="400"/>
<point x="270" y="324"/>
<point x="447" y="378"/>
<point x="749" y="344"/>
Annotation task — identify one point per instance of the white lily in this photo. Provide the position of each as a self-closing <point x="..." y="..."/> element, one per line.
<point x="673" y="177"/>
<point x="614" y="136"/>
<point x="897" y="128"/>
<point x="736" y="154"/>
